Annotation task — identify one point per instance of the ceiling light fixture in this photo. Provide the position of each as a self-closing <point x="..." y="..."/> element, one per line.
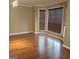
<point x="15" y="3"/>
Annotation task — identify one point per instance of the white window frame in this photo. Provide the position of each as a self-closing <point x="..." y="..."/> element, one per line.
<point x="62" y="27"/>
<point x="46" y="20"/>
<point x="39" y="17"/>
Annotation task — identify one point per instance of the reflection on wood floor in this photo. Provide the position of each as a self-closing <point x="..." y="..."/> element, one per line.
<point x="37" y="46"/>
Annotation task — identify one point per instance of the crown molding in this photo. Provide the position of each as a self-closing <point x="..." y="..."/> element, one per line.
<point x="21" y="4"/>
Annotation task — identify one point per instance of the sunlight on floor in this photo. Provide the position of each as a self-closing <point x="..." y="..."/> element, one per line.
<point x="19" y="44"/>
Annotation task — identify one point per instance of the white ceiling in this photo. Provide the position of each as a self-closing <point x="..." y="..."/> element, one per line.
<point x="37" y="2"/>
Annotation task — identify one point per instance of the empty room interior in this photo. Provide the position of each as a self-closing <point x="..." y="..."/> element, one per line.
<point x="39" y="29"/>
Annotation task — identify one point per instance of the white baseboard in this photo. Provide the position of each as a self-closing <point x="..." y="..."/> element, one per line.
<point x="55" y="36"/>
<point x="66" y="47"/>
<point x="36" y="32"/>
<point x="21" y="33"/>
<point x="39" y="32"/>
<point x="51" y="35"/>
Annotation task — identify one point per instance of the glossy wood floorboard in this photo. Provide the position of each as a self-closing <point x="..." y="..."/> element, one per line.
<point x="37" y="46"/>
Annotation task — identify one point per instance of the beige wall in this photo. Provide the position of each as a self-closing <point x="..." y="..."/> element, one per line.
<point x="21" y="19"/>
<point x="67" y="33"/>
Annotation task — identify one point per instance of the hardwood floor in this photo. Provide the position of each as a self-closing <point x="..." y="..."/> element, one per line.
<point x="37" y="46"/>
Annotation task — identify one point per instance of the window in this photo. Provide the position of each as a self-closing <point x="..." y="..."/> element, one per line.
<point x="55" y="20"/>
<point x="51" y="20"/>
<point x="42" y="20"/>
